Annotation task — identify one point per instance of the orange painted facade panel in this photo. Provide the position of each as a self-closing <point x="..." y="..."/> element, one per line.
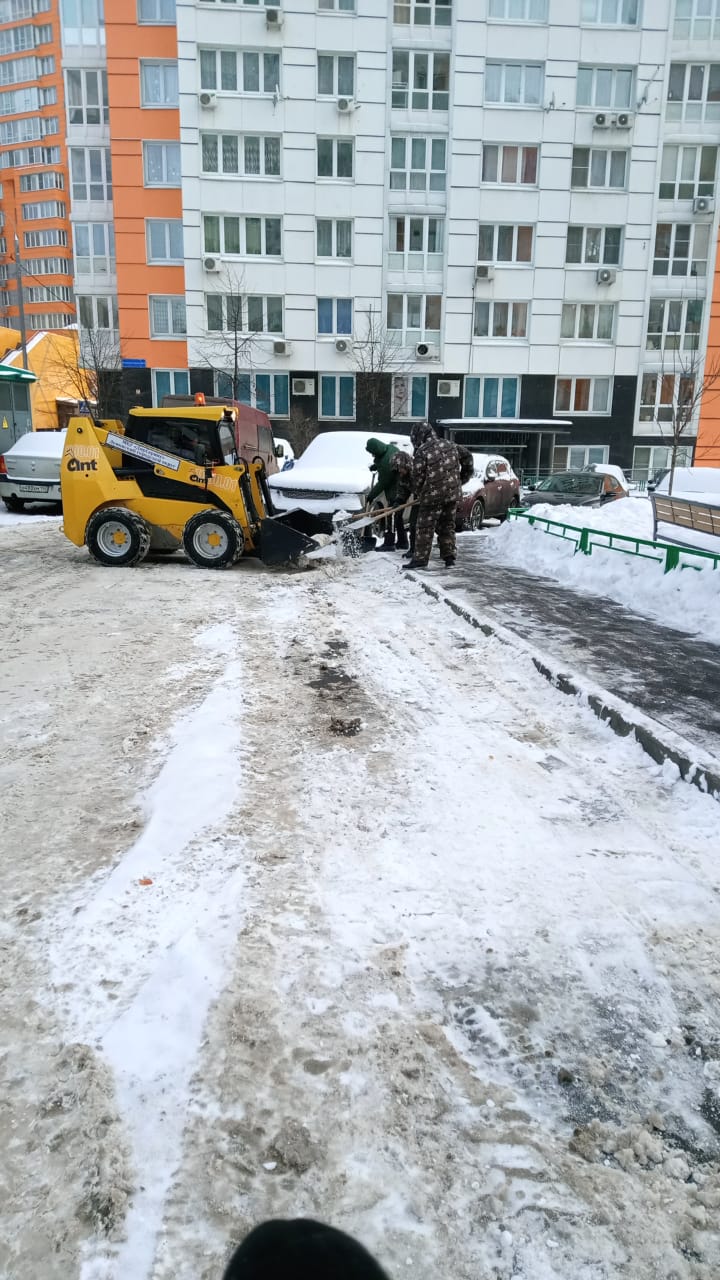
<point x="127" y="43"/>
<point x="707" y="449"/>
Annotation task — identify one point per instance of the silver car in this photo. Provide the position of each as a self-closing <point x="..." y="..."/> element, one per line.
<point x="30" y="470"/>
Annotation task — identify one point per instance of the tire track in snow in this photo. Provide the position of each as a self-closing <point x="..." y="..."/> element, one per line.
<point x="137" y="967"/>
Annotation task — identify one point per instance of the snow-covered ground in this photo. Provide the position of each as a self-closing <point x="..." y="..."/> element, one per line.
<point x="317" y="901"/>
<point x="687" y="599"/>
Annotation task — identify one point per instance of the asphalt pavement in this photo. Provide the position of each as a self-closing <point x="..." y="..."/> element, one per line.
<point x="670" y="675"/>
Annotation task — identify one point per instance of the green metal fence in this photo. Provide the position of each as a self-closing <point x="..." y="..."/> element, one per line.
<point x="585" y="540"/>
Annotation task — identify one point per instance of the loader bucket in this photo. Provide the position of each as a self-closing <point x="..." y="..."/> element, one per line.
<point x="279" y="544"/>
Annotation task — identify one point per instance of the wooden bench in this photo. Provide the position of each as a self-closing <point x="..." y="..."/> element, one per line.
<point x="687" y="515"/>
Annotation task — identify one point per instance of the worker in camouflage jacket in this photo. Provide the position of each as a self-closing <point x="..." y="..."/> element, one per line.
<point x="389" y="481"/>
<point x="436" y="488"/>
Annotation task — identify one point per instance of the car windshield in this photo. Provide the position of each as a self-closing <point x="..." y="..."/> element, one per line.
<point x="576" y="482"/>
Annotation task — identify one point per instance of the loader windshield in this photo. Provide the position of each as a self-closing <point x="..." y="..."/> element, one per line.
<point x="195" y="440"/>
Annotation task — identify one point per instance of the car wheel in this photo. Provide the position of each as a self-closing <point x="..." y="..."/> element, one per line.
<point x="213" y="540"/>
<point x="117" y="537"/>
<point x="477" y="514"/>
<point x="14" y="504"/>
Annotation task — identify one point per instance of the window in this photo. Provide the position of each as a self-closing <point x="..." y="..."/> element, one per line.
<point x="674" y="324"/>
<point x="661" y="393"/>
<point x="230" y="313"/>
<point x="611" y="13"/>
<point x="335" y="158"/>
<point x="46" y="209"/>
<point x="605" y="87"/>
<point x="83" y="22"/>
<point x="337" y="6"/>
<point x="582" y="395"/>
<point x="90" y="174"/>
<point x="335" y="75"/>
<point x="94" y="248"/>
<point x="268" y="392"/>
<point x="693" y="91"/>
<point x="599" y="168"/>
<point x="420" y="81"/>
<point x="48" y="293"/>
<point x="418" y="164"/>
<point x="422" y="13"/>
<point x="239" y="71"/>
<point x="18" y="69"/>
<point x="333" y="237"/>
<point x="491" y="397"/>
<point x="12" y="9"/>
<point x="42" y="182"/>
<point x="157" y="12"/>
<point x="245" y="156"/>
<point x="50" y="266"/>
<point x="337" y="395"/>
<point x="697" y="20"/>
<point x="167" y="317"/>
<point x="25" y="156"/>
<point x="97" y="312"/>
<point x="519" y="11"/>
<point x="159" y="84"/>
<point x="505" y="244"/>
<point x="517" y="166"/>
<point x="410" y="396"/>
<point x="687" y="172"/>
<point x="334" y="316"/>
<point x="414" y="315"/>
<point x="501" y="320"/>
<point x="29" y="98"/>
<point x="416" y="244"/>
<point x="652" y="460"/>
<point x="161" y="164"/>
<point x="164" y="240"/>
<point x="27" y="130"/>
<point x="594" y="245"/>
<point x="15" y="39"/>
<point x="87" y="97"/>
<point x="514" y="83"/>
<point x="44" y="239"/>
<point x="577" y="457"/>
<point x="48" y="320"/>
<point x="681" y="249"/>
<point x="585" y="322"/>
<point x="169" y="382"/>
<point x="255" y="237"/>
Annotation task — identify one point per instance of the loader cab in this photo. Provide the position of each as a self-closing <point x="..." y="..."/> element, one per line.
<point x="253" y="429"/>
<point x="207" y="439"/>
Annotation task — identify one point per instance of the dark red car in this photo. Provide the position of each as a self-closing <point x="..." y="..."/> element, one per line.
<point x="494" y="488"/>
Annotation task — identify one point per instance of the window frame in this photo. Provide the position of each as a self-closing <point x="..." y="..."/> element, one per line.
<point x="602" y="259"/>
<point x="471" y="409"/>
<point x="410" y="259"/>
<point x="336" y="378"/>
<point x="413" y="7"/>
<point x="166" y="182"/>
<point x="106" y="182"/>
<point x="155" y="22"/>
<point x="431" y="147"/>
<point x="597" y="72"/>
<point x="413" y="87"/>
<point x="693" y="21"/>
<point x="699" y="186"/>
<point x="661" y="380"/>
<point x="608" y="152"/>
<point x="94" y="299"/>
<point x="85" y="107"/>
<point x="493" y="304"/>
<point x="168" y="299"/>
<point x="244" y="301"/>
<point x="515" y="228"/>
<point x="427" y="299"/>
<point x="156" y="397"/>
<point x="329" y="6"/>
<point x="620" y="4"/>
<point x="239" y="54"/>
<point x="599" y="310"/>
<point x="242" y="220"/>
<point x="405" y="408"/>
<point x="164" y="222"/>
<point x="592" y="382"/>
<point x="165" y="65"/>
<point x="108" y="256"/>
<point x="242" y="139"/>
<point x="694" y="110"/>
<point x="335" y="60"/>
<point x="500" y="166"/>
<point x="267" y="405"/>
<point x="334" y="256"/>
<point x="335" y="331"/>
<point x="669" y="310"/>
<point x="336" y="143"/>
<point x="504" y="67"/>
<point x="505" y="17"/>
<point x="696" y="230"/>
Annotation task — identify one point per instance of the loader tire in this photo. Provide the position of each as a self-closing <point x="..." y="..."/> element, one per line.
<point x="213" y="539"/>
<point x="117" y="537"/>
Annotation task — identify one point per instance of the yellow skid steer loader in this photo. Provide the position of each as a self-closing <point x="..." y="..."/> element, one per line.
<point x="170" y="478"/>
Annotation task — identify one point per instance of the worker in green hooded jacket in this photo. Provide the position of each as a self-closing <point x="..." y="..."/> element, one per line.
<point x="388" y="482"/>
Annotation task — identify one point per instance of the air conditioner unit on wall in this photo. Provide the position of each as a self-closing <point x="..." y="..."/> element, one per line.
<point x="273" y="19"/>
<point x="211" y="264"/>
<point x="207" y="100"/>
<point x="602" y="120"/>
<point x="623" y="120"/>
<point x="703" y="204"/>
<point x="605" y="275"/>
<point x="426" y="351"/>
<point x="448" y="387"/>
<point x="346" y="105"/>
<point x="342" y="345"/>
<point x="303" y="386"/>
<point x="483" y="272"/>
<point x="281" y="347"/>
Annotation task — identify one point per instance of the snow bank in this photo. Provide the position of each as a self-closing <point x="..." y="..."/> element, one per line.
<point x="8" y="518"/>
<point x="633" y="516"/>
<point x="686" y="599"/>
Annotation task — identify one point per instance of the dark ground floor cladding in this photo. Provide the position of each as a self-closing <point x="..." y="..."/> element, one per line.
<point x="373" y="411"/>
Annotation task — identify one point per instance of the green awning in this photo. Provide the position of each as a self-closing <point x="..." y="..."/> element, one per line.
<point x="8" y="373"/>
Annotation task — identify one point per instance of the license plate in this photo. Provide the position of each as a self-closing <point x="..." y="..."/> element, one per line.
<point x="32" y="488"/>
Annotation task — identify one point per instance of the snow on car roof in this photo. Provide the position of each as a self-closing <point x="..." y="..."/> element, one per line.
<point x="701" y="483"/>
<point x="346" y="448"/>
<point x="39" y="444"/>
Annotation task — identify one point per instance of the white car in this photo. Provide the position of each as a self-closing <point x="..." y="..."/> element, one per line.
<point x="333" y="474"/>
<point x="30" y="470"/>
<point x="287" y="454"/>
<point x="701" y="484"/>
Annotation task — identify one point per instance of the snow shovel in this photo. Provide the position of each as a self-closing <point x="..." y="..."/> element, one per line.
<point x="345" y="529"/>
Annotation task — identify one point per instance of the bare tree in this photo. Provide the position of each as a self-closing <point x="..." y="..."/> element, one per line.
<point x="378" y="353"/>
<point x="228" y="351"/>
<point x="685" y="379"/>
<point x="301" y="429"/>
<point x="89" y="361"/>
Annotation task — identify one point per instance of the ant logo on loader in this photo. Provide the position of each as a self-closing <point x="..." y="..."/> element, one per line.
<point x="86" y="463"/>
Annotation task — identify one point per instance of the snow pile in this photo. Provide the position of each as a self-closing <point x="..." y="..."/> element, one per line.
<point x="701" y="484"/>
<point x="686" y="599"/>
<point x="8" y="518"/>
<point x="633" y="516"/>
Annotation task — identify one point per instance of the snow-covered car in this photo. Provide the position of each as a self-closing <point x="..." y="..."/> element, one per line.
<point x="609" y="468"/>
<point x="284" y="453"/>
<point x="493" y="489"/>
<point x="30" y="470"/>
<point x="575" y="489"/>
<point x="699" y="483"/>
<point x="333" y="474"/>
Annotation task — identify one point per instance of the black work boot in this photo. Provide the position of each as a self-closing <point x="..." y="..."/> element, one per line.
<point x="388" y="543"/>
<point x="449" y="562"/>
<point x="416" y="564"/>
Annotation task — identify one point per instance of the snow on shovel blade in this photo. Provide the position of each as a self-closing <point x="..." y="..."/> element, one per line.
<point x="279" y="544"/>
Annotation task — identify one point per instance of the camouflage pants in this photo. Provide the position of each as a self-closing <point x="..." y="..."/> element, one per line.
<point x="439" y="519"/>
